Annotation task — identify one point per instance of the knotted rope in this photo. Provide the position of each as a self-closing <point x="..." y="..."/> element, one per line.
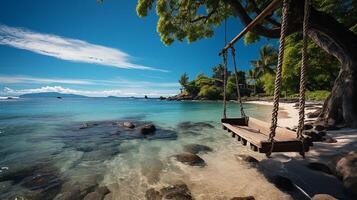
<point x="239" y="99"/>
<point x="304" y="63"/>
<point x="283" y="31"/>
<point x="225" y="84"/>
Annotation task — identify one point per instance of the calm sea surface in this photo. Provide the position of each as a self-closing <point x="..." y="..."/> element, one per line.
<point x="42" y="137"/>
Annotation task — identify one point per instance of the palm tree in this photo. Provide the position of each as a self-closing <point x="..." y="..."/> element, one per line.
<point x="268" y="58"/>
<point x="183" y="81"/>
<point x="252" y="79"/>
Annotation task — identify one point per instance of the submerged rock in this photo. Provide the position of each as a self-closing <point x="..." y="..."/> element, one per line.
<point x="246" y="158"/>
<point x="190" y="159"/>
<point x="147" y="129"/>
<point x="329" y="139"/>
<point x="152" y="194"/>
<point x="177" y="191"/>
<point x="93" y="196"/>
<point x="323" y="197"/>
<point x="319" y="167"/>
<point x="128" y="125"/>
<point x="319" y="127"/>
<point x="197" y="148"/>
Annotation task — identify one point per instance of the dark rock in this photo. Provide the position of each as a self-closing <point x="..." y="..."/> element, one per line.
<point x="194" y="126"/>
<point x="84" y="126"/>
<point x="319" y="167"/>
<point x="308" y="127"/>
<point x="108" y="197"/>
<point x="68" y="195"/>
<point x="323" y="197"/>
<point x="246" y="158"/>
<point x="319" y="127"/>
<point x="190" y="159"/>
<point x="243" y="198"/>
<point x="103" y="190"/>
<point x="332" y="128"/>
<point x="93" y="196"/>
<point x="322" y="133"/>
<point x="128" y="125"/>
<point x="197" y="148"/>
<point x="346" y="168"/>
<point x="283" y="183"/>
<point x="147" y="129"/>
<point x="152" y="194"/>
<point x="177" y="191"/>
<point x="314" y="114"/>
<point x="41" y="181"/>
<point x="313" y="135"/>
<point x="329" y="139"/>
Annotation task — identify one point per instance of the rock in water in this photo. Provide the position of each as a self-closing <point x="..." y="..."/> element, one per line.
<point x="197" y="148"/>
<point x="152" y="194"/>
<point x="246" y="158"/>
<point x="319" y="128"/>
<point x="323" y="197"/>
<point x="93" y="196"/>
<point x="190" y="159"/>
<point x="177" y="191"/>
<point x="243" y="198"/>
<point x="147" y="129"/>
<point x="319" y="167"/>
<point x="346" y="168"/>
<point x="128" y="125"/>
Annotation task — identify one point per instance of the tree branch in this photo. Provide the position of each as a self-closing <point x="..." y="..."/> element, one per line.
<point x="204" y="17"/>
<point x="246" y="19"/>
<point x="267" y="18"/>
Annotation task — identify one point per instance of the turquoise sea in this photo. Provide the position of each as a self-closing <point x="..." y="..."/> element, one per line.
<point x="44" y="153"/>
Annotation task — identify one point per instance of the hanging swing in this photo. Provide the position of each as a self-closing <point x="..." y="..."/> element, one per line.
<point x="262" y="136"/>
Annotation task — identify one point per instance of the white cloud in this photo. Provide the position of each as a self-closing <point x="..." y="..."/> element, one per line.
<point x="119" y="82"/>
<point x="67" y="48"/>
<point x="28" y="79"/>
<point x="92" y="93"/>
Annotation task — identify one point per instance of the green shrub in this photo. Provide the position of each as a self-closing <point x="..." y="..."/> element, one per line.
<point x="210" y="92"/>
<point x="318" y="95"/>
<point x="268" y="82"/>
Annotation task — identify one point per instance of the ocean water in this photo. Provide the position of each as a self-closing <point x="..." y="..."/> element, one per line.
<point x="44" y="153"/>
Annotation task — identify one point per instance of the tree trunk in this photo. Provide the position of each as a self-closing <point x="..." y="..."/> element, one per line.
<point x="337" y="40"/>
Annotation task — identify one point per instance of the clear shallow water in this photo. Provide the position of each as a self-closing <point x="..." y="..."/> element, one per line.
<point x="42" y="136"/>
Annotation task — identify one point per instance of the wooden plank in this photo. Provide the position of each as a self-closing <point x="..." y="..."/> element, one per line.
<point x="281" y="134"/>
<point x="252" y="137"/>
<point x="235" y="121"/>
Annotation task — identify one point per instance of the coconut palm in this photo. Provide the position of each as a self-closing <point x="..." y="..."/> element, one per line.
<point x="268" y="58"/>
<point x="252" y="79"/>
<point x="183" y="81"/>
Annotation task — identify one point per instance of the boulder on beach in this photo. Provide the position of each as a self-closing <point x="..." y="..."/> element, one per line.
<point x="346" y="168"/>
<point x="147" y="129"/>
<point x="246" y="158"/>
<point x="197" y="148"/>
<point x="190" y="159"/>
<point x="323" y="197"/>
<point x="93" y="196"/>
<point x="314" y="114"/>
<point x="152" y="194"/>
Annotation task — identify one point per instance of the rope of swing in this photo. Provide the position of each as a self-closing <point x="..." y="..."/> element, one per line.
<point x="277" y="89"/>
<point x="239" y="98"/>
<point x="302" y="88"/>
<point x="304" y="63"/>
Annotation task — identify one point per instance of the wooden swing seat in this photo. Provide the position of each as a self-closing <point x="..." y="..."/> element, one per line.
<point x="256" y="133"/>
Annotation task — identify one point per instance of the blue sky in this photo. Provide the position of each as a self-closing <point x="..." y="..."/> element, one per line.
<point x="83" y="47"/>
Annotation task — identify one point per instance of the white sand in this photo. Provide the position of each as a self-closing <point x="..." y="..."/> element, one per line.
<point x="313" y="182"/>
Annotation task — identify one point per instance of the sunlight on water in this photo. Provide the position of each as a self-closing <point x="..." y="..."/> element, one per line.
<point x="43" y="135"/>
